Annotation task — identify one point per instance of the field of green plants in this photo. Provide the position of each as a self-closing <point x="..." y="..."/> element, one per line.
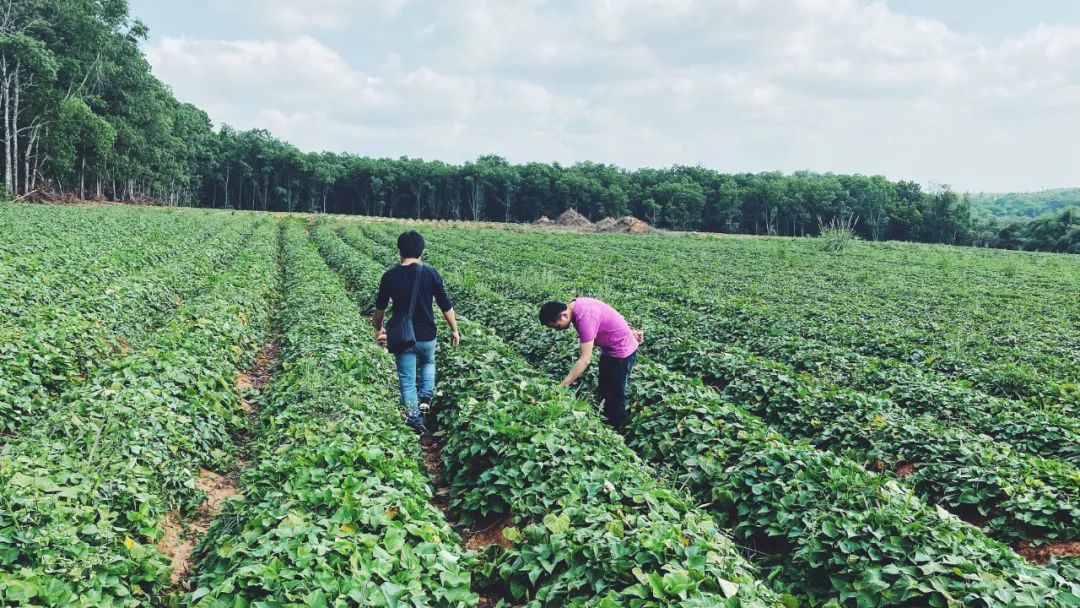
<point x="885" y="425"/>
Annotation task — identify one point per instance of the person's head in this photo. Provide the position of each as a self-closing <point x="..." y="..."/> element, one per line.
<point x="410" y="244"/>
<point x="555" y="315"/>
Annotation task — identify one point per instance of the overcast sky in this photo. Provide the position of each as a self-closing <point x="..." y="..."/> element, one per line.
<point x="980" y="94"/>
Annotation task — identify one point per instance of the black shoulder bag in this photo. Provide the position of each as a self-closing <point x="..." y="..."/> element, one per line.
<point x="400" y="335"/>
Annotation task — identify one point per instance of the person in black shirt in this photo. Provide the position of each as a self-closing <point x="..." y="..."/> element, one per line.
<point x="397" y="286"/>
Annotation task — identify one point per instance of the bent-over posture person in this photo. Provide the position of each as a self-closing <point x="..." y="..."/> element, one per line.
<point x="601" y="325"/>
<point x="397" y="286"/>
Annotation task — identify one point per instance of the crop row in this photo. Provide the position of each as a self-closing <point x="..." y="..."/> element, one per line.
<point x="52" y="255"/>
<point x="823" y="526"/>
<point x="1028" y="429"/>
<point x="734" y="319"/>
<point x="1051" y="431"/>
<point x="52" y="348"/>
<point x="955" y="306"/>
<point x="335" y="511"/>
<point x="87" y="487"/>
<point x="873" y="316"/>
<point x="585" y="521"/>
<point x="1012" y="495"/>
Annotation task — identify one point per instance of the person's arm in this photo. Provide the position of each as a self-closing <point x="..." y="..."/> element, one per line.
<point x="451" y="320"/>
<point x="377" y="322"/>
<point x="447" y="308"/>
<point x="382" y="300"/>
<point x="583" y="361"/>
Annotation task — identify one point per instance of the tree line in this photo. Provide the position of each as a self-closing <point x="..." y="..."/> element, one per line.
<point x="1056" y="231"/>
<point x="82" y="112"/>
<point x="84" y="116"/>
<point x="1026" y="204"/>
<point x="253" y="170"/>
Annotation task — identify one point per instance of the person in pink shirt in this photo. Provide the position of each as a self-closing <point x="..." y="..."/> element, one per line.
<point x="602" y="326"/>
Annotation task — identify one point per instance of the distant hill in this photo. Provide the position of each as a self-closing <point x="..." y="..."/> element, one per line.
<point x="1025" y="204"/>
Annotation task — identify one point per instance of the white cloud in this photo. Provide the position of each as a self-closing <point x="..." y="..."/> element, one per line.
<point x="841" y="85"/>
<point x="298" y="16"/>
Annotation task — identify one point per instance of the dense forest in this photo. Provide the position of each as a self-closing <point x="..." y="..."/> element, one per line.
<point x="83" y="116"/>
<point x="1026" y="204"/>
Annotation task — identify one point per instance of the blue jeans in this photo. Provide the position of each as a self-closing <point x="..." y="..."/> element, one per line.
<point x="613" y="378"/>
<point x="420" y="357"/>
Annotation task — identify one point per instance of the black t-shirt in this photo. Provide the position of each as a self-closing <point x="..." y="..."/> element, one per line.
<point x="397" y="284"/>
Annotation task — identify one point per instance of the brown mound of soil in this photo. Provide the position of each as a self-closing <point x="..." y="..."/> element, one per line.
<point x="572" y="219"/>
<point x="1043" y="553"/>
<point x="630" y="225"/>
<point x="605" y="225"/>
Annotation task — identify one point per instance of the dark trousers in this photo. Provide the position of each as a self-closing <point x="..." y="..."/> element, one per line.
<point x="613" y="377"/>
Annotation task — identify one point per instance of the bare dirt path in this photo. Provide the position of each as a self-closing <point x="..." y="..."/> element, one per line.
<point x="477" y="538"/>
<point x="1043" y="553"/>
<point x="182" y="534"/>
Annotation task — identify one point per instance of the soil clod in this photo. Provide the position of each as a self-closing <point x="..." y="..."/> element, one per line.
<point x="905" y="469"/>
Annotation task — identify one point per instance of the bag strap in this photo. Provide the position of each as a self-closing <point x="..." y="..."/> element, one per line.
<point x="415" y="288"/>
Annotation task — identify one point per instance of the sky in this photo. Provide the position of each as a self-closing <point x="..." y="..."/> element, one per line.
<point x="982" y="95"/>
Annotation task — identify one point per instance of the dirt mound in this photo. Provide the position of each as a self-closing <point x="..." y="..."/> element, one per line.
<point x="625" y="225"/>
<point x="572" y="219"/>
<point x="605" y="225"/>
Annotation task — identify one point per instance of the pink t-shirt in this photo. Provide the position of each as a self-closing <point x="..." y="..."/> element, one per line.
<point x="602" y="325"/>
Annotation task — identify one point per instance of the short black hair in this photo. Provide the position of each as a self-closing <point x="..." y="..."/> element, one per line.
<point x="410" y="244"/>
<point x="549" y="312"/>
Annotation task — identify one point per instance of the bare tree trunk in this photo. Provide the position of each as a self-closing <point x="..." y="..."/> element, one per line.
<point x="455" y="205"/>
<point x="5" y="102"/>
<point x="228" y="173"/>
<point x="476" y="200"/>
<point x="15" y="130"/>
<point x="82" y="179"/>
<point x="32" y="142"/>
<point x="26" y="166"/>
